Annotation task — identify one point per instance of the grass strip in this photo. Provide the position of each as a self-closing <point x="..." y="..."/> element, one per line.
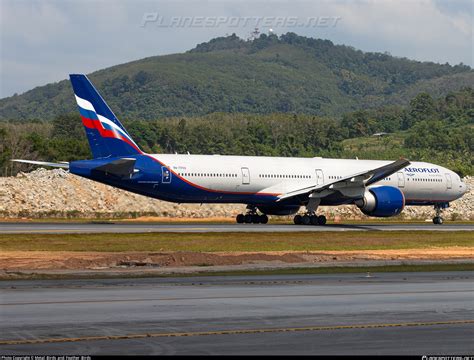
<point x="223" y="242"/>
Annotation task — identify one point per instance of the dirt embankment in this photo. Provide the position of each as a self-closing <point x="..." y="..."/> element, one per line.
<point x="58" y="194"/>
<point x="61" y="260"/>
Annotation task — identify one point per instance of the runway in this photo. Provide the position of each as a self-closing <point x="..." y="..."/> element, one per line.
<point x="106" y="227"/>
<point x="387" y="313"/>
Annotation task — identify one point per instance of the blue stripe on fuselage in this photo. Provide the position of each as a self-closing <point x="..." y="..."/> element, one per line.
<point x="147" y="181"/>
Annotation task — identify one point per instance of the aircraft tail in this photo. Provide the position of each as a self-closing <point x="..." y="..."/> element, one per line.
<point x="107" y="136"/>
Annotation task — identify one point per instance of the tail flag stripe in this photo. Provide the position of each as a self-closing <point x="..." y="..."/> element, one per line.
<point x="88" y="123"/>
<point x="86" y="109"/>
<point x="107" y="133"/>
<point x="83" y="103"/>
<point x="88" y="114"/>
<point x="106" y="128"/>
<point x="114" y="127"/>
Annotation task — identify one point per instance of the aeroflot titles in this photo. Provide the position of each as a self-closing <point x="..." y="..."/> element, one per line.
<point x="422" y="170"/>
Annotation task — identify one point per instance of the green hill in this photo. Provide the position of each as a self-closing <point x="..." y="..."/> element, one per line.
<point x="270" y="74"/>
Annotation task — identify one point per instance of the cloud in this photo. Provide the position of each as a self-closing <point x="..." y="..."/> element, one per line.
<point x="42" y="41"/>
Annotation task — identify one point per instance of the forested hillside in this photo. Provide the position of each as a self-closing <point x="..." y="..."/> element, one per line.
<point x="439" y="130"/>
<point x="286" y="74"/>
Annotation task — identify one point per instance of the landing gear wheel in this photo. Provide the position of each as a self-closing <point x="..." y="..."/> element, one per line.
<point x="297" y="219"/>
<point x="322" y="220"/>
<point x="314" y="220"/>
<point x="438" y="220"/>
<point x="251" y="216"/>
<point x="255" y="219"/>
<point x="306" y="220"/>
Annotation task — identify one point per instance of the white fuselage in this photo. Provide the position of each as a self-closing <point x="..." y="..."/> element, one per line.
<point x="420" y="182"/>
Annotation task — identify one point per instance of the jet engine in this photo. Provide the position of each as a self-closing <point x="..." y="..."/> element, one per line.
<point x="382" y="201"/>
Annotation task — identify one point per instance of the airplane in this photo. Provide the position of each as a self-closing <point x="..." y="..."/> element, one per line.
<point x="267" y="185"/>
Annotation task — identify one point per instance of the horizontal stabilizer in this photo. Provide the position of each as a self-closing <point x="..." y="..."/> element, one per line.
<point x="122" y="168"/>
<point x="64" y="165"/>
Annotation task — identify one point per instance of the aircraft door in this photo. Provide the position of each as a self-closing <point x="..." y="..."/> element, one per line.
<point x="245" y="176"/>
<point x="319" y="177"/>
<point x="401" y="179"/>
<point x="165" y="175"/>
<point x="449" y="181"/>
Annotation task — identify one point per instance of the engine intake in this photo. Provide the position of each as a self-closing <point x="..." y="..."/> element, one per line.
<point x="382" y="201"/>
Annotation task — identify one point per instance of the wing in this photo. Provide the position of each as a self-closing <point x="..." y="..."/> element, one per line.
<point x="64" y="165"/>
<point x="350" y="186"/>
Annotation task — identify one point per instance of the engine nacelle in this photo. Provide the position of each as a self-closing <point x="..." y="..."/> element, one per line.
<point x="279" y="209"/>
<point x="382" y="201"/>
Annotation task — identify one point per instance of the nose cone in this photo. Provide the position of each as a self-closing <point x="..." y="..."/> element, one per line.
<point x="463" y="188"/>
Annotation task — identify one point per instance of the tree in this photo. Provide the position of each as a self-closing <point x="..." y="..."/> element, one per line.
<point x="68" y="126"/>
<point x="422" y="107"/>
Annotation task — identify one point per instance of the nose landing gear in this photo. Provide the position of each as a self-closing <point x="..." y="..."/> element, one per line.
<point x="438" y="220"/>
<point x="251" y="217"/>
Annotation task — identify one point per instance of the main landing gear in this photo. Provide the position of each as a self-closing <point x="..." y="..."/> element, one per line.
<point x="251" y="217"/>
<point x="309" y="219"/>
<point x="438" y="220"/>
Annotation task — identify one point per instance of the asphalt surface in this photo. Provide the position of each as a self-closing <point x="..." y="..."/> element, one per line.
<point x="387" y="313"/>
<point x="106" y="227"/>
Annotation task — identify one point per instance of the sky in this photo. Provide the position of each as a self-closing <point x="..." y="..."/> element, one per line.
<point x="43" y="41"/>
